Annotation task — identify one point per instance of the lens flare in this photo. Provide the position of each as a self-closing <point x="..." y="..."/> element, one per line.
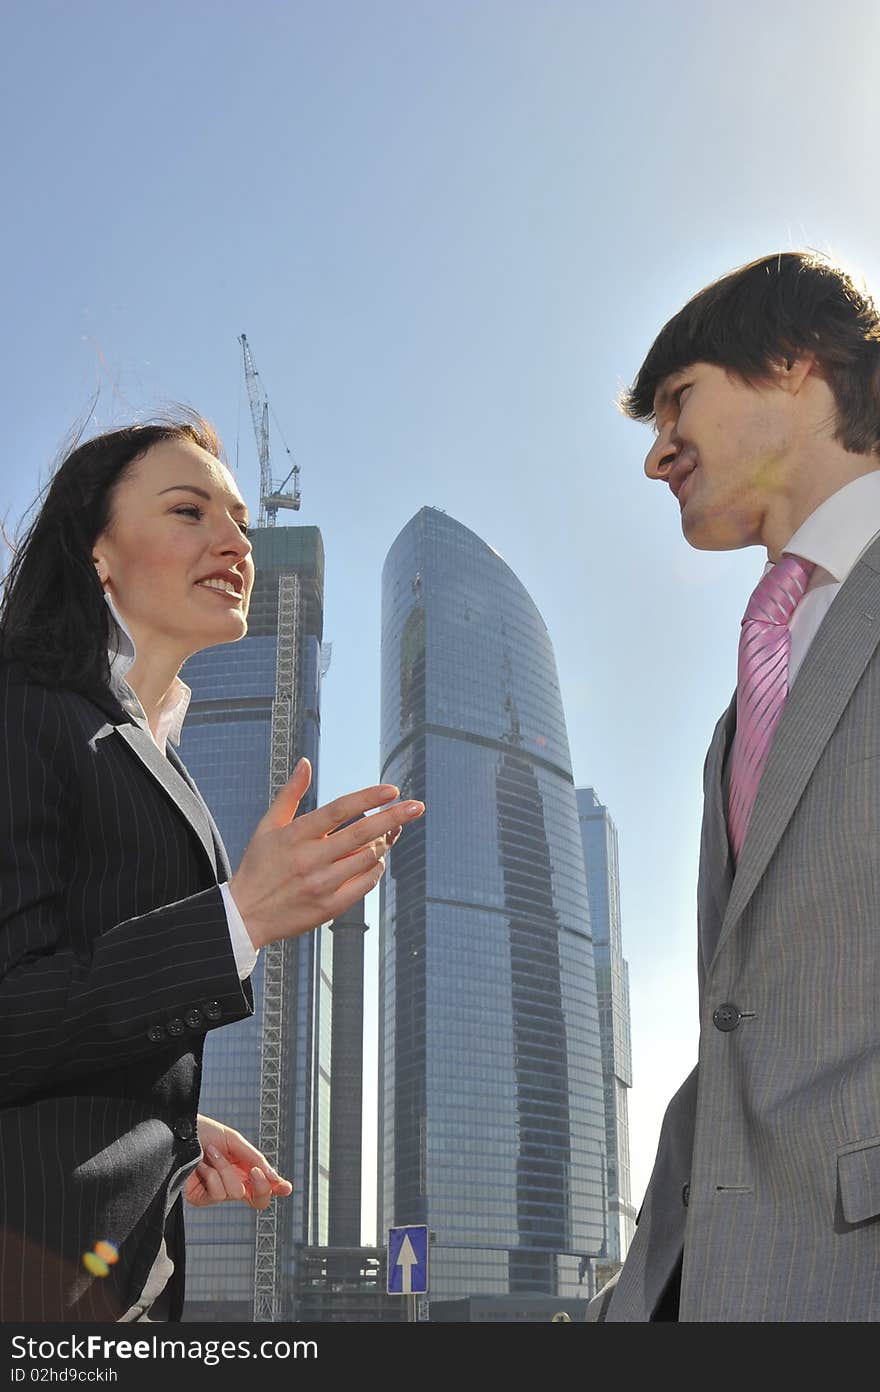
<point x="99" y="1262"/>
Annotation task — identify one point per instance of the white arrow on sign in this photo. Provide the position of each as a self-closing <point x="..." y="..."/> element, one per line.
<point x="406" y="1259"/>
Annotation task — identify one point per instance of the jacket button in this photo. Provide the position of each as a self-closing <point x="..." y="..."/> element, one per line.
<point x="213" y="1010"/>
<point x="174" y="1027"/>
<point x="155" y="1034"/>
<point x="685" y="1194"/>
<point x="726" y="1017"/>
<point x="193" y="1017"/>
<point x="183" y="1128"/>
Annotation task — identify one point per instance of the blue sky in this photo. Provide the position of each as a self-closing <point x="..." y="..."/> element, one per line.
<point x="450" y="230"/>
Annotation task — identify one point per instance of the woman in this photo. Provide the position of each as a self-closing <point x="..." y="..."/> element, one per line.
<point x="123" y="937"/>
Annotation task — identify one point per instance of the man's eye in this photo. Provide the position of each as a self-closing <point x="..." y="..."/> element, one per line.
<point x="245" y="528"/>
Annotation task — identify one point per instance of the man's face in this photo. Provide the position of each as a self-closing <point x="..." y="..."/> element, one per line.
<point x="726" y="450"/>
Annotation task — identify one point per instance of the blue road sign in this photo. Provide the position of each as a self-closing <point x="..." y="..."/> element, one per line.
<point x="407" y="1261"/>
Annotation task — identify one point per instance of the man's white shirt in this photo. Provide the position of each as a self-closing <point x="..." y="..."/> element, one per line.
<point x="833" y="537"/>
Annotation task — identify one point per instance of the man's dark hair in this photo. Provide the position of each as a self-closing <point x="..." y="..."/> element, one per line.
<point x="53" y="616"/>
<point x="774" y="309"/>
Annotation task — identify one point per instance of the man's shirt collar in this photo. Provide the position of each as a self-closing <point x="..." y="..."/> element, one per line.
<point x="840" y="529"/>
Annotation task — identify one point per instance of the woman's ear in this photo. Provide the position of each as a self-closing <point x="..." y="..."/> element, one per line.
<point x="101" y="568"/>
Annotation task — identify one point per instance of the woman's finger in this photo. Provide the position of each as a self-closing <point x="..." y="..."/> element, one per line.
<point x="230" y="1177"/>
<point x="283" y="808"/>
<point x="353" y="863"/>
<point x="381" y="845"/>
<point x="343" y="809"/>
<point x="325" y="883"/>
<point x="374" y="828"/>
<point x="351" y="891"/>
<point x="212" y="1184"/>
<point x="260" y="1189"/>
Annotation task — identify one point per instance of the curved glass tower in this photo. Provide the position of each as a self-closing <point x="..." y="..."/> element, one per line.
<point x="491" y="1115"/>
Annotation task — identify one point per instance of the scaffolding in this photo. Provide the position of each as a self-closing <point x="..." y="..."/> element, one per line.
<point x="277" y="960"/>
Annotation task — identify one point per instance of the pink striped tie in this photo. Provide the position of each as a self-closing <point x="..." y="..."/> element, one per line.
<point x="762" y="683"/>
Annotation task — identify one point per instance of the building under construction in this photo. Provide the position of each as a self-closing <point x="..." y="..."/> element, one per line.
<point x="255" y="711"/>
<point x="345" y="1284"/>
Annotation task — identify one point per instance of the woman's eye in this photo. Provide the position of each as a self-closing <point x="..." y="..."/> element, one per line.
<point x="677" y="394"/>
<point x="189" y="511"/>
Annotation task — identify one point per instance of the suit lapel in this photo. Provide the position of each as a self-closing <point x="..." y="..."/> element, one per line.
<point x="837" y="657"/>
<point x="716" y="869"/>
<point x="224" y="869"/>
<point x="174" y="784"/>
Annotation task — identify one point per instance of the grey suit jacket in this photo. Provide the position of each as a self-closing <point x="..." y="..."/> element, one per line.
<point x="768" y="1166"/>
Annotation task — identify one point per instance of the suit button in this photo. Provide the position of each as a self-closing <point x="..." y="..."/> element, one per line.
<point x="685" y="1194"/>
<point x="155" y="1034"/>
<point x="213" y="1010"/>
<point x="183" y="1128"/>
<point x="175" y="1027"/>
<point x="726" y="1017"/>
<point x="193" y="1017"/>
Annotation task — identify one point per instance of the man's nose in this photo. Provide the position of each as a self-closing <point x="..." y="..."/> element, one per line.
<point x="661" y="456"/>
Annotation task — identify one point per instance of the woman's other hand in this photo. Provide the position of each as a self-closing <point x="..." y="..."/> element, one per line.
<point x="232" y="1170"/>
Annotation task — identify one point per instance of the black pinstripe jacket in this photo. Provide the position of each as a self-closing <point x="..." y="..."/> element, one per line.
<point x="115" y="961"/>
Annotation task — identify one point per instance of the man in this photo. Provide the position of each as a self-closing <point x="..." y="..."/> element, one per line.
<point x="764" y="1200"/>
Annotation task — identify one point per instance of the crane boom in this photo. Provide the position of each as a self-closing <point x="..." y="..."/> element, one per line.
<point x="271" y="499"/>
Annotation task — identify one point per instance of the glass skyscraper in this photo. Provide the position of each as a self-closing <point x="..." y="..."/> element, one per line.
<point x="599" y="837"/>
<point x="255" y="710"/>
<point x="491" y="1117"/>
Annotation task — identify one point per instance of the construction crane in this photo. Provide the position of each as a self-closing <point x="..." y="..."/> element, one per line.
<point x="271" y="498"/>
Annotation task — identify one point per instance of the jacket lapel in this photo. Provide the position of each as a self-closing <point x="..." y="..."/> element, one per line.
<point x="174" y="784"/>
<point x="837" y="658"/>
<point x="716" y="868"/>
<point x="224" y="869"/>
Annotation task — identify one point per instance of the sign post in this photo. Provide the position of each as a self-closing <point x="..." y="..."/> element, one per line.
<point x="408" y="1264"/>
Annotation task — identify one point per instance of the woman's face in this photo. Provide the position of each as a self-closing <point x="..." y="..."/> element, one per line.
<point x="175" y="558"/>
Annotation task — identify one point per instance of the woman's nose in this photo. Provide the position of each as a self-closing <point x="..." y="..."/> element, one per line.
<point x="232" y="538"/>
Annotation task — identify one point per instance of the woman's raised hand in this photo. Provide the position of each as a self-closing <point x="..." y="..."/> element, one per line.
<point x="299" y="872"/>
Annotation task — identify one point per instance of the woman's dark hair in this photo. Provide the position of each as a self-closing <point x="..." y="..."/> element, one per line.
<point x="775" y="308"/>
<point x="53" y="616"/>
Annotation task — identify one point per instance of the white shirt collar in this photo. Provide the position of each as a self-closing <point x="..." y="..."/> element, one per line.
<point x="121" y="655"/>
<point x="840" y="529"/>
